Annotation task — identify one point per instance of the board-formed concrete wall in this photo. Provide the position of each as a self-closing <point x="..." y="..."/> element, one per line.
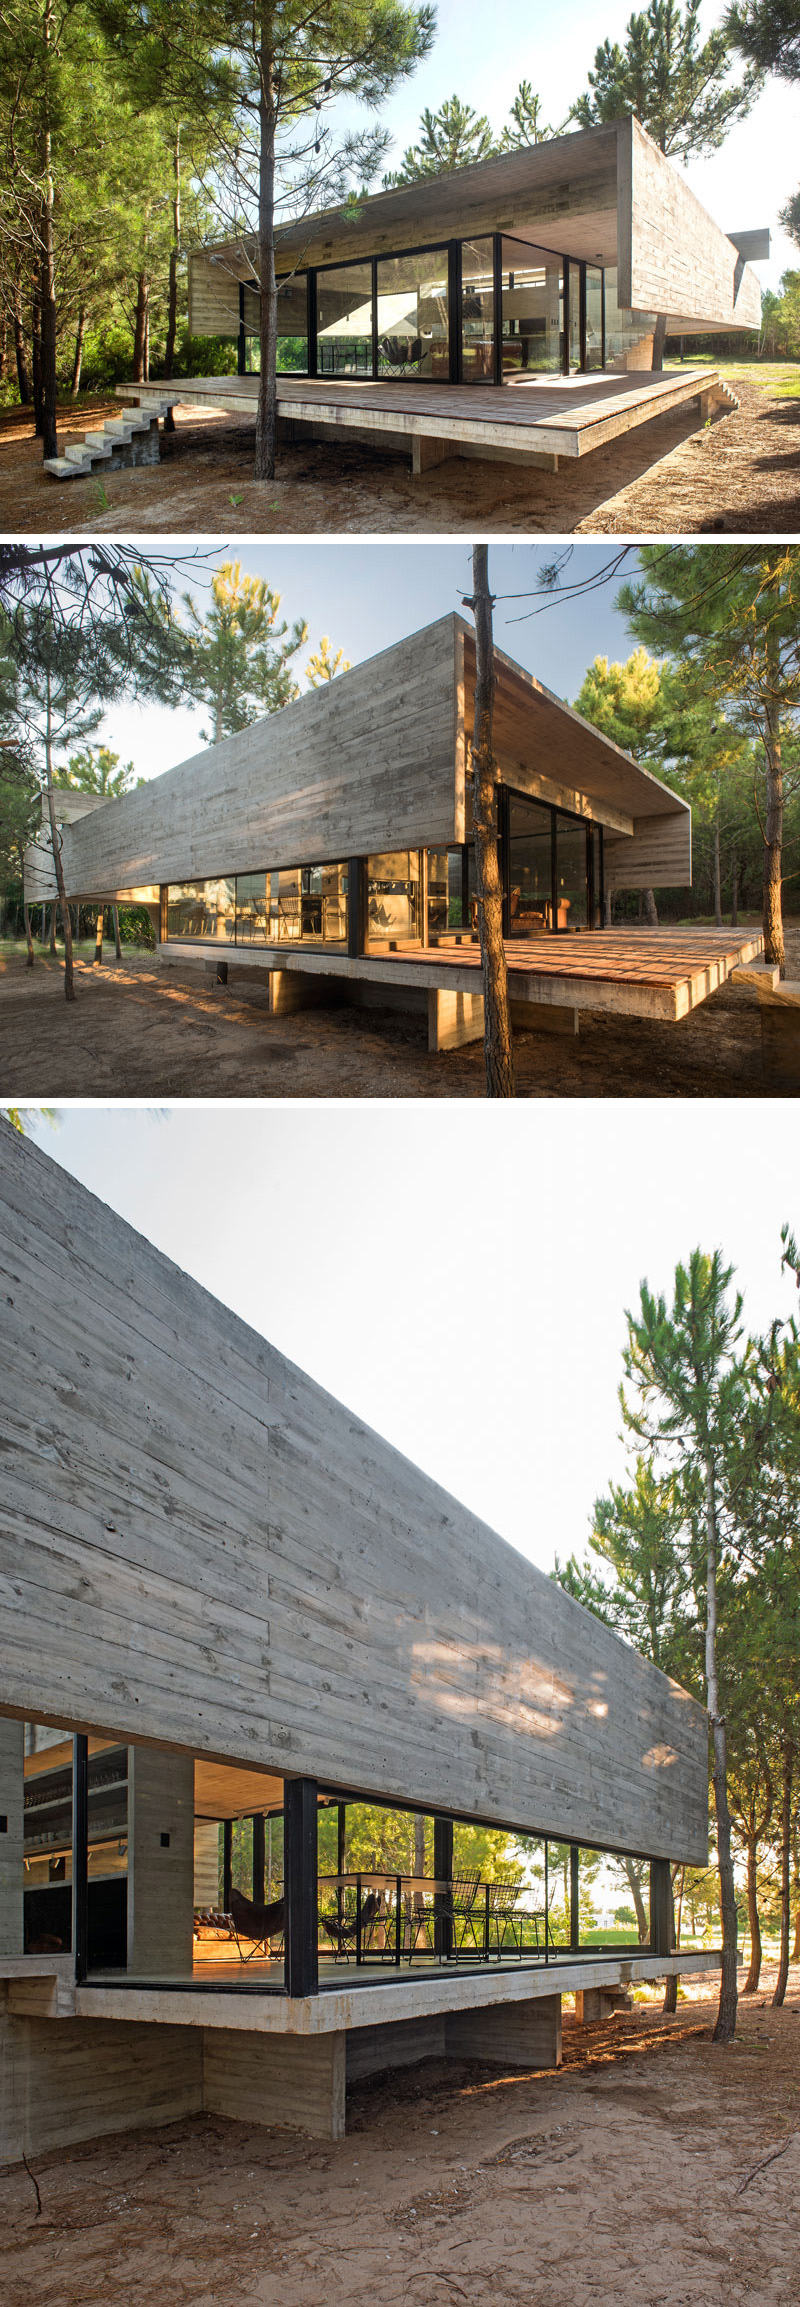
<point x="363" y="763"/>
<point x="201" y="1548"/>
<point x="673" y="257"/>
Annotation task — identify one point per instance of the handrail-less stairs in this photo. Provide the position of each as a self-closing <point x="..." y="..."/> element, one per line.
<point x="135" y="430"/>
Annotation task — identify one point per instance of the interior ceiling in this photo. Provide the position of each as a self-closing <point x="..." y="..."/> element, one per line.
<point x="534" y="728"/>
<point x="226" y="1790"/>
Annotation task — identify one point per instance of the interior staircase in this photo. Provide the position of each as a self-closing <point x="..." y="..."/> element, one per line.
<point x="98" y="447"/>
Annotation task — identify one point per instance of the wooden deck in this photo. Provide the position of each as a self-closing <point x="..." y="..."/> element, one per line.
<point x="531" y="417"/>
<point x="663" y="973"/>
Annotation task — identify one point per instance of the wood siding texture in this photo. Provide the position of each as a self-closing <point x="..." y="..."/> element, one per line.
<point x="363" y="763"/>
<point x="201" y="1548"/>
<point x="680" y="261"/>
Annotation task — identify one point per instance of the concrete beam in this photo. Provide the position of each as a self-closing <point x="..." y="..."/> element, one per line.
<point x="453" y="1019"/>
<point x="511" y="2035"/>
<point x="292" y="2080"/>
<point x="593" y="2003"/>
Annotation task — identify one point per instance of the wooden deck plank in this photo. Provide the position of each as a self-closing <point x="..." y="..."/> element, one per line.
<point x="566" y="416"/>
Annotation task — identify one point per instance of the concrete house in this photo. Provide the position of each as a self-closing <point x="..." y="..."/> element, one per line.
<point x="505" y="309"/>
<point x="225" y="1597"/>
<point x="329" y="849"/>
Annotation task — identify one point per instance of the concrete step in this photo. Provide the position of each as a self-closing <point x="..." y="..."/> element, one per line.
<point x="60" y="469"/>
<point x="78" y="455"/>
<point x="99" y="442"/>
<point x="117" y="432"/>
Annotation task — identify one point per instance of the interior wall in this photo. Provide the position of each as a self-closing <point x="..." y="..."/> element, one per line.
<point x="160" y="1872"/>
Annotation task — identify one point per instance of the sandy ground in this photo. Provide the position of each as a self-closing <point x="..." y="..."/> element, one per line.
<point x="629" y="2179"/>
<point x="740" y="473"/>
<point x="138" y="1030"/>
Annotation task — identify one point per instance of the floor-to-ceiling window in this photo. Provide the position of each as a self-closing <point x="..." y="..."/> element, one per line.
<point x="530" y="869"/>
<point x="594" y="317"/>
<point x="414" y="315"/>
<point x="305" y="904"/>
<point x="344" y="320"/>
<point x="394" y="898"/>
<point x="532" y="292"/>
<point x="448" y="900"/>
<point x="572" y="908"/>
<point x="477" y="311"/>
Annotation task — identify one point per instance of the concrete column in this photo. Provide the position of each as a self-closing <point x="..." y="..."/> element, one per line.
<point x="12" y="1785"/>
<point x="297" y="2081"/>
<point x="291" y="989"/>
<point x="536" y="1017"/>
<point x="453" y="1018"/>
<point x="426" y="452"/>
<point x="593" y="2003"/>
<point x="780" y="1036"/>
<point x="508" y="2034"/>
<point x="160" y="1861"/>
<point x="660" y="1906"/>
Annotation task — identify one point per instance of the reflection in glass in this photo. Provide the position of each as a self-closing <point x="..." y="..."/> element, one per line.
<point x="413" y="315"/>
<point x="594" y="317"/>
<point x="292" y="356"/>
<point x="571" y="879"/>
<point x="202" y="909"/>
<point x="532" y="300"/>
<point x="445" y="894"/>
<point x="47" y="1846"/>
<point x="308" y="905"/>
<point x="596" y="865"/>
<point x="477" y="311"/>
<point x="574" y="316"/>
<point x="344" y="321"/>
<point x="394" y="910"/>
<point x="530" y="891"/>
<point x="252" y="908"/>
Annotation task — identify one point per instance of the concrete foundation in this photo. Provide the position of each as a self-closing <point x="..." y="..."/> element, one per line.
<point x="537" y="1017"/>
<point x="453" y="1019"/>
<point x="66" y="2080"/>
<point x="780" y="1036"/>
<point x="508" y="2035"/>
<point x="291" y="989"/>
<point x="295" y="2080"/>
<point x="593" y="2003"/>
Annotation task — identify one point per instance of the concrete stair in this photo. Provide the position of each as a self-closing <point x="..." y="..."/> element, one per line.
<point x="118" y="432"/>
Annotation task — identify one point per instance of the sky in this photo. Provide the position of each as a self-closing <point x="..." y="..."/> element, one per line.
<point x="481" y="53"/>
<point x="350" y="1236"/>
<point x="365" y="595"/>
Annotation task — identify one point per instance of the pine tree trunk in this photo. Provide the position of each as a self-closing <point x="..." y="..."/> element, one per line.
<point x="77" y="362"/>
<point x="172" y="302"/>
<point x="49" y="346"/>
<point x="266" y="417"/>
<point x="650" y="908"/>
<point x="28" y="934"/>
<point x="734" y="891"/>
<point x="117" y="941"/>
<point x="20" y="348"/>
<point x="53" y="911"/>
<point x="497" y="1020"/>
<point x="754" y="1921"/>
<point x="635" y="1888"/>
<point x="725" y="2028"/>
<point x="140" y="328"/>
<point x="787" y="1777"/>
<point x="69" y="976"/>
<point x="659" y="339"/>
<point x="671" y="1985"/>
<point x="3" y="345"/>
<point x="98" y="943"/>
<point x="36" y="358"/>
<point x="774" y="949"/>
<point x="717" y="873"/>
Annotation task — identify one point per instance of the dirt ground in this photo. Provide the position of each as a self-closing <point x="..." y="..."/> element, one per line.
<point x="740" y="473"/>
<point x="140" y="1030"/>
<point x="629" y="2179"/>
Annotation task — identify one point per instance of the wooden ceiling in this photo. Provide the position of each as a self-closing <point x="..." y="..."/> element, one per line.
<point x="535" y="732"/>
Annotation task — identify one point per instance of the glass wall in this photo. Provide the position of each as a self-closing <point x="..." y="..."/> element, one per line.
<point x="447" y="906"/>
<point x="47" y="1846"/>
<point x="574" y="348"/>
<point x="293" y="325"/>
<point x="344" y="321"/>
<point x="394" y="898"/>
<point x="533" y="287"/>
<point x="594" y="317"/>
<point x="477" y="311"/>
<point x="572" y="911"/>
<point x="414" y="315"/>
<point x="307" y="903"/>
<point x="628" y="335"/>
<point x="530" y="880"/>
<point x="596" y="875"/>
<point x="202" y="909"/>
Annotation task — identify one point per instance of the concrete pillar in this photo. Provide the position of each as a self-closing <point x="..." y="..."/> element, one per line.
<point x="11" y="1809"/>
<point x="536" y="1017"/>
<point x="297" y="2081"/>
<point x="65" y="2080"/>
<point x="780" y="1036"/>
<point x="660" y="1906"/>
<point x="508" y="2034"/>
<point x="425" y="453"/>
<point x="206" y="1862"/>
<point x="593" y="2003"/>
<point x="291" y="989"/>
<point x="160" y="1862"/>
<point x="453" y="1019"/>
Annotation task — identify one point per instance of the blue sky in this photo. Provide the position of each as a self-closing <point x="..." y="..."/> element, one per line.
<point x="365" y="595"/>
<point x="482" y="52"/>
<point x="348" y="1237"/>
